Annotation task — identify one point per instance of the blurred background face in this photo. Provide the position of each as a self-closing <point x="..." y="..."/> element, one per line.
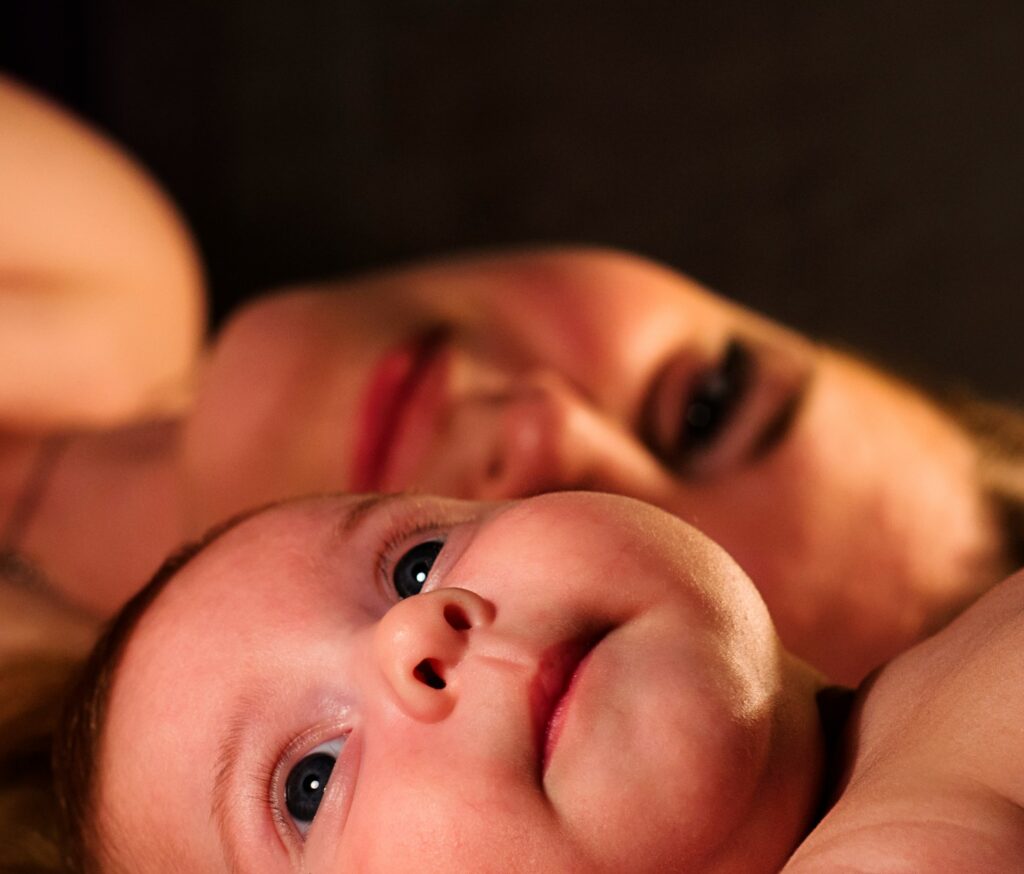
<point x="604" y="693"/>
<point x="512" y="375"/>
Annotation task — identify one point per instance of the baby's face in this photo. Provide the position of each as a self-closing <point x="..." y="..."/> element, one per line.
<point x="575" y="682"/>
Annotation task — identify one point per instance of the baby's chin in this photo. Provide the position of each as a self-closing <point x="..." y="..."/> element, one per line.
<point x="787" y="792"/>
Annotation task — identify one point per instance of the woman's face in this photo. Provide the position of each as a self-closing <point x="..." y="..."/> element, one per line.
<point x="844" y="495"/>
<point x="575" y="682"/>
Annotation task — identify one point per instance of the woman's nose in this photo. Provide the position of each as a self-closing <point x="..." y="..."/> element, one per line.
<point x="548" y="436"/>
<point x="420" y="643"/>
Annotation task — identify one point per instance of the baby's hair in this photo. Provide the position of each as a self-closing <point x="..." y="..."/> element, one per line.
<point x="77" y="742"/>
<point x="79" y="733"/>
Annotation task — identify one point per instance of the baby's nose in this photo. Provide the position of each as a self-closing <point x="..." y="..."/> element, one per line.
<point x="420" y="643"/>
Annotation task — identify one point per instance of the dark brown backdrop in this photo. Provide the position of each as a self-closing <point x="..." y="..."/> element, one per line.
<point x="854" y="168"/>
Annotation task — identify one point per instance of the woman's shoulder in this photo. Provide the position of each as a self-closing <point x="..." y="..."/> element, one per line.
<point x="102" y="309"/>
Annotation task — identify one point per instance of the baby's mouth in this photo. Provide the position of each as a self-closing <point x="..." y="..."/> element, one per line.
<point x="551" y="691"/>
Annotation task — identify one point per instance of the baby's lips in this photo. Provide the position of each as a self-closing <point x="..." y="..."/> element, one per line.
<point x="555" y="672"/>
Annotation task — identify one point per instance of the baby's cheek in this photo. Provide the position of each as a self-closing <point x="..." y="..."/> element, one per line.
<point x="461" y="823"/>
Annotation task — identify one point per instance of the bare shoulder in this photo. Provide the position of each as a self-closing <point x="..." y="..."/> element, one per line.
<point x="934" y="771"/>
<point x="101" y="295"/>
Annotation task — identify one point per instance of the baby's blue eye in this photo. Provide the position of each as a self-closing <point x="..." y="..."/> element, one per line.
<point x="307" y="781"/>
<point x="413" y="568"/>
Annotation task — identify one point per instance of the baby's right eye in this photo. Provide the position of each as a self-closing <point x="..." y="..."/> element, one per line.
<point x="307" y="781"/>
<point x="413" y="568"/>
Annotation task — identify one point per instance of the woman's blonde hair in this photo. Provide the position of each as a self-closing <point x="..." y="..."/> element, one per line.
<point x="31" y="694"/>
<point x="997" y="430"/>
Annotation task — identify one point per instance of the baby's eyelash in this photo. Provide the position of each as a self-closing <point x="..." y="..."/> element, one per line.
<point x="267" y="775"/>
<point x="402" y="534"/>
<point x="272" y="775"/>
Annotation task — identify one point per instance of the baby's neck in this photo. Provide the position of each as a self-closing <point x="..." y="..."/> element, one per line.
<point x="835" y="703"/>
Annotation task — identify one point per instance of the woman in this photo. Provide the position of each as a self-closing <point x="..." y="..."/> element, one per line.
<point x="865" y="513"/>
<point x="859" y="506"/>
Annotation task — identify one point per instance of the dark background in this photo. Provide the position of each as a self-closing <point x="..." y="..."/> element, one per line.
<point x="855" y="169"/>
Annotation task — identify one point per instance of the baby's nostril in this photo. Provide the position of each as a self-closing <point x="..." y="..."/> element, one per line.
<point x="427" y="674"/>
<point x="456" y="617"/>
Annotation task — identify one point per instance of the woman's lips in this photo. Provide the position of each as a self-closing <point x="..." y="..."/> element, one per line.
<point x="393" y="388"/>
<point x="552" y="689"/>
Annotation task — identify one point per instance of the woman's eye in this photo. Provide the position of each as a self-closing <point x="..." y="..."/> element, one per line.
<point x="413" y="568"/>
<point x="307" y="781"/>
<point x="713" y="400"/>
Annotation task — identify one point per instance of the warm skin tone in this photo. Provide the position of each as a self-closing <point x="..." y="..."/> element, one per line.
<point x="848" y="498"/>
<point x="565" y="369"/>
<point x="101" y="320"/>
<point x="689" y="740"/>
<point x="101" y="299"/>
<point x="828" y="482"/>
<point x="934" y="779"/>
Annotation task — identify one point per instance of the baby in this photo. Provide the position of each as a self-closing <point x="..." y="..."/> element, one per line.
<point x="575" y="682"/>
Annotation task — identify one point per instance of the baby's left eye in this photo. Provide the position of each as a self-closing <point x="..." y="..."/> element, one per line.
<point x="413" y="568"/>
<point x="307" y="781"/>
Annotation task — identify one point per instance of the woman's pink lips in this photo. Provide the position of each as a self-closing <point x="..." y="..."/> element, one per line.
<point x="388" y="392"/>
<point x="552" y="689"/>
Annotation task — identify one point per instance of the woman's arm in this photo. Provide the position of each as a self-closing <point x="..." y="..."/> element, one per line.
<point x="101" y="295"/>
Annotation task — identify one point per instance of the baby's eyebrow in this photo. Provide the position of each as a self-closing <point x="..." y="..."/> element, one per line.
<point x="365" y="506"/>
<point x="238" y="726"/>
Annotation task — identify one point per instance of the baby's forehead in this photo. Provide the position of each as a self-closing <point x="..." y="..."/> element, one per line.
<point x="234" y="562"/>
